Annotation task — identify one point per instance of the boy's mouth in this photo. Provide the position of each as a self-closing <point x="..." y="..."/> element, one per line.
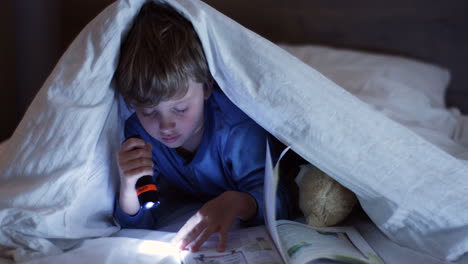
<point x="170" y="139"/>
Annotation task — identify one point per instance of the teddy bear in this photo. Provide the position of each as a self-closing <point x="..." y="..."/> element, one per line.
<point x="322" y="200"/>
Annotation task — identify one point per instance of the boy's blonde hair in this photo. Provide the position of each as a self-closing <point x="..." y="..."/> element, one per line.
<point x="158" y="57"/>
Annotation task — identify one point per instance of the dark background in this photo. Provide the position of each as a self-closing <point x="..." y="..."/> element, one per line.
<point x="34" y="34"/>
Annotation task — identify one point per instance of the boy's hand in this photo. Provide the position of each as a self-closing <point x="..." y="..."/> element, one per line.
<point x="216" y="216"/>
<point x="134" y="159"/>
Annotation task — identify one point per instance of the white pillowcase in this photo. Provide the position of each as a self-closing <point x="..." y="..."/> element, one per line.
<point x="406" y="90"/>
<point x="353" y="69"/>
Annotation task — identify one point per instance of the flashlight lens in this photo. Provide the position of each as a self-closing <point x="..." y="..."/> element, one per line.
<point x="147" y="192"/>
<point x="148" y="205"/>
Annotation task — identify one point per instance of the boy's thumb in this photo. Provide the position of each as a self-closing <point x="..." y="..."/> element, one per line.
<point x="149" y="146"/>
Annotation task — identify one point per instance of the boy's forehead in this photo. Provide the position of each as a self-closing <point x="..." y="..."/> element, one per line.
<point x="173" y="101"/>
<point x="177" y="98"/>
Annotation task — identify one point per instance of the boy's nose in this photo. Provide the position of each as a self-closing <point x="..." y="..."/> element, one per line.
<point x="166" y="124"/>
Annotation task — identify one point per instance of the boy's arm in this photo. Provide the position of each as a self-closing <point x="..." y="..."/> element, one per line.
<point x="246" y="147"/>
<point x="245" y="157"/>
<point x="144" y="219"/>
<point x="135" y="161"/>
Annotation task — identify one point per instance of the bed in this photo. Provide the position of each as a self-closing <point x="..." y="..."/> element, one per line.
<point x="400" y="126"/>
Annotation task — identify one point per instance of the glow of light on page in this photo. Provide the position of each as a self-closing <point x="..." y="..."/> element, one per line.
<point x="158" y="248"/>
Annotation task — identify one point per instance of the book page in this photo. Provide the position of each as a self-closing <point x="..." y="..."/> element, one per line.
<point x="304" y="244"/>
<point x="249" y="245"/>
<point x="271" y="180"/>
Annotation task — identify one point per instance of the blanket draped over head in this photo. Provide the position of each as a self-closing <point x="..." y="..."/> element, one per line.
<point x="58" y="171"/>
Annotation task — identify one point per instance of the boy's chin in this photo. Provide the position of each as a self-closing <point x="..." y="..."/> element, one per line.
<point x="172" y="145"/>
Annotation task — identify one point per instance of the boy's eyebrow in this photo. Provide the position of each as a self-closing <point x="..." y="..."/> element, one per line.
<point x="148" y="108"/>
<point x="151" y="108"/>
<point x="180" y="101"/>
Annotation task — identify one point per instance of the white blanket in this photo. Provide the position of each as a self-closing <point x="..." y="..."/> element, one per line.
<point x="58" y="171"/>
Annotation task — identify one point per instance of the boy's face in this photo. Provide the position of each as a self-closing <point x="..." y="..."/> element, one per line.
<point x="179" y="122"/>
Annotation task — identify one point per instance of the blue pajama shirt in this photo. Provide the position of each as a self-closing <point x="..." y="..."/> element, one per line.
<point x="231" y="156"/>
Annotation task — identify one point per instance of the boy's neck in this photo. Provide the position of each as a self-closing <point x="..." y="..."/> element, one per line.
<point x="187" y="155"/>
<point x="188" y="152"/>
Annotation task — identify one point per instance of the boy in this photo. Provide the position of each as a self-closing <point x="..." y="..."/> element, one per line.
<point x="192" y="136"/>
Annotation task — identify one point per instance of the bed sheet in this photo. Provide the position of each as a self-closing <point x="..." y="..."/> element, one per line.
<point x="150" y="246"/>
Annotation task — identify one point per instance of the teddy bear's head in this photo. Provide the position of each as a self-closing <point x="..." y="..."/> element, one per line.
<point x="322" y="200"/>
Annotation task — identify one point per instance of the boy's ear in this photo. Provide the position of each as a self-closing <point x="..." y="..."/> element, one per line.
<point x="207" y="89"/>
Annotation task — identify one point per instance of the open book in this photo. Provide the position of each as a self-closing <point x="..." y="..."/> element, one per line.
<point x="285" y="241"/>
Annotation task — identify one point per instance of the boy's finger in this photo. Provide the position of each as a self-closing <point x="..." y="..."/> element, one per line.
<point x="132" y="143"/>
<point x="222" y="241"/>
<point x="136" y="163"/>
<point x="139" y="172"/>
<point x="134" y="154"/>
<point x="189" y="232"/>
<point x="149" y="146"/>
<point x="188" y="237"/>
<point x="205" y="234"/>
<point x="180" y="234"/>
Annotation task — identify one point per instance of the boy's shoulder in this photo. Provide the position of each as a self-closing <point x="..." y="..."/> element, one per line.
<point x="227" y="110"/>
<point x="133" y="126"/>
<point x="132" y="120"/>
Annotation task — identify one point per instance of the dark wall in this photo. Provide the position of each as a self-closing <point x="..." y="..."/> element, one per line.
<point x="34" y="34"/>
<point x="37" y="46"/>
<point x="7" y="69"/>
<point x="435" y="31"/>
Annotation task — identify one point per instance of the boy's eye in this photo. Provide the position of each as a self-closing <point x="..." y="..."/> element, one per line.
<point x="180" y="111"/>
<point x="147" y="113"/>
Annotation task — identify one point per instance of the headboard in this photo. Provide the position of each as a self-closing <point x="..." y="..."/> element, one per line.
<point x="433" y="31"/>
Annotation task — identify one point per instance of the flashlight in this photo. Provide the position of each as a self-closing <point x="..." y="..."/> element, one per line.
<point x="147" y="192"/>
<point x="146" y="189"/>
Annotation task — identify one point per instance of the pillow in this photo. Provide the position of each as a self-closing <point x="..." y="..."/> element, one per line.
<point x="354" y="69"/>
<point x="406" y="90"/>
